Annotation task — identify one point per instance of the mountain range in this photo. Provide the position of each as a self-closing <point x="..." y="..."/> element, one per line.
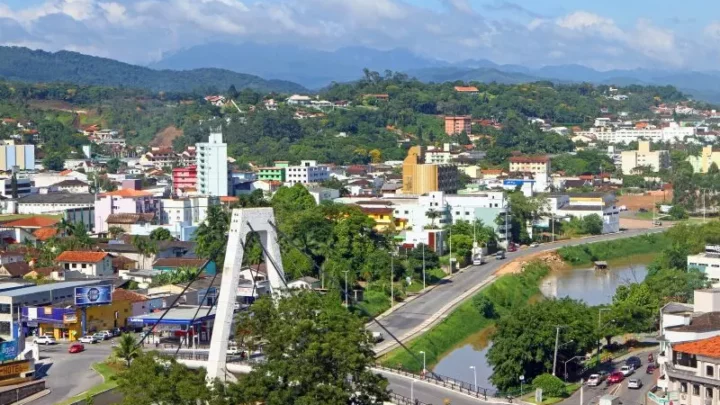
<point x="23" y="64"/>
<point x="315" y="69"/>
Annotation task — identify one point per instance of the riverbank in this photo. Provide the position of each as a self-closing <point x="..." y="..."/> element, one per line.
<point x="469" y="318"/>
<point x="615" y="249"/>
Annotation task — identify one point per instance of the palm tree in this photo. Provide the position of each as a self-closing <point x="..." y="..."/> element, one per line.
<point x="115" y="231"/>
<point x="433" y="215"/>
<point x="127" y="348"/>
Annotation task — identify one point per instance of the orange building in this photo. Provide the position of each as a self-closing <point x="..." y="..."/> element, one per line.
<point x="420" y="177"/>
<point x="457" y="124"/>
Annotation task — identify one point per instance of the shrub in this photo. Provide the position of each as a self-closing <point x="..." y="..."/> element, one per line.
<point x="552" y="386"/>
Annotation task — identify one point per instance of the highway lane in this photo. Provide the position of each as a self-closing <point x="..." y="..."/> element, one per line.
<point x="412" y="314"/>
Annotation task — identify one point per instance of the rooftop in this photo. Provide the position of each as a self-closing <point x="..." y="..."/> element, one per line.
<point x="17" y="269"/>
<point x="80" y="256"/>
<point x="49" y="287"/>
<point x="71" y="183"/>
<point x="179" y="262"/>
<point x="178" y="315"/>
<point x="706" y="322"/>
<point x="706" y="347"/>
<point x="121" y="294"/>
<point x="43" y="234"/>
<point x="529" y="159"/>
<point x="36" y="221"/>
<point x="128" y="218"/>
<point x="128" y="193"/>
<point x="57" y="198"/>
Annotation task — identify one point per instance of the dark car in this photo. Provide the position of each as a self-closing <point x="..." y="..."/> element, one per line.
<point x="650" y="369"/>
<point x="615" y="377"/>
<point x="634" y="361"/>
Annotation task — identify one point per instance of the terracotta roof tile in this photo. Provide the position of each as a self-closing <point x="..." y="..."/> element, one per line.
<point x="17" y="269"/>
<point x="706" y="347"/>
<point x="464" y="89"/>
<point x="45" y="271"/>
<point x="529" y="159"/>
<point x="44" y="234"/>
<point x="121" y="294"/>
<point x="32" y="222"/>
<point x="127" y="192"/>
<point x="80" y="256"/>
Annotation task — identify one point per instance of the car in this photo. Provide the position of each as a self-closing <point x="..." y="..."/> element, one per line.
<point x="650" y="369"/>
<point x="107" y="333"/>
<point x="500" y="255"/>
<point x="99" y="336"/>
<point x="534" y="245"/>
<point x="76" y="348"/>
<point x="88" y="339"/>
<point x="626" y="370"/>
<point x="512" y="247"/>
<point x="615" y="377"/>
<point x="635" y="383"/>
<point x="44" y="340"/>
<point x="233" y="349"/>
<point x="634" y="361"/>
<point x="594" y="380"/>
<point x="377" y="337"/>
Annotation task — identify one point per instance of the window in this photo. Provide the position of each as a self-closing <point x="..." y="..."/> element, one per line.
<point x="84" y="266"/>
<point x="708" y="392"/>
<point x="4" y="308"/>
<point x="709" y="371"/>
<point x="683" y="387"/>
<point x="696" y="389"/>
<point x="4" y="328"/>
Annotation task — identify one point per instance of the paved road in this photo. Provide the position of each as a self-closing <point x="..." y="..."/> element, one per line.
<point x="67" y="375"/>
<point x="411" y="315"/>
<point x="427" y="392"/>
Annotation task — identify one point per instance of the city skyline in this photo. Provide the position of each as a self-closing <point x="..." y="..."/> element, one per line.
<point x="602" y="35"/>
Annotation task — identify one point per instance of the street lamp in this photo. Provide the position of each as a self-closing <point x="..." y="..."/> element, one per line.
<point x="346" y="291"/>
<point x="423" y="256"/>
<point x="565" y="368"/>
<point x="392" y="276"/>
<point x="600" y="311"/>
<point x="423" y="353"/>
<point x="522" y="380"/>
<point x="474" y="377"/>
<point x="557" y="340"/>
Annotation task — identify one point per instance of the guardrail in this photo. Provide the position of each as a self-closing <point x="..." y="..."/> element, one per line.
<point x="403" y="400"/>
<point x="450" y="383"/>
<point x="204" y="355"/>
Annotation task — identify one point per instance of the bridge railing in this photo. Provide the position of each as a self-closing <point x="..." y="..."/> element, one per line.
<point x="204" y="355"/>
<point x="403" y="400"/>
<point x="451" y="383"/>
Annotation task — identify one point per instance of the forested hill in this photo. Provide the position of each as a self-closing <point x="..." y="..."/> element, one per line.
<point x="23" y="64"/>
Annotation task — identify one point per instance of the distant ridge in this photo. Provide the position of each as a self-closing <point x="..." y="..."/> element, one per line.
<point x="26" y="65"/>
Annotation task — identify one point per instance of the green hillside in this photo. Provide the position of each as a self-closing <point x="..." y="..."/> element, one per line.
<point x="23" y="64"/>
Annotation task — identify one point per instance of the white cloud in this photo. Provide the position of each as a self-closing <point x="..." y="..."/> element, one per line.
<point x="140" y="30"/>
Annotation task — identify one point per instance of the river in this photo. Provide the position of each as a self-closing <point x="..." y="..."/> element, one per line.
<point x="594" y="287"/>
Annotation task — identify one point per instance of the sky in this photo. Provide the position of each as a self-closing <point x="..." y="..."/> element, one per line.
<point x="608" y="34"/>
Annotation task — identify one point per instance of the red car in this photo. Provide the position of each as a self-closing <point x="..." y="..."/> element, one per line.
<point x="76" y="348"/>
<point x="615" y="377"/>
<point x="650" y="369"/>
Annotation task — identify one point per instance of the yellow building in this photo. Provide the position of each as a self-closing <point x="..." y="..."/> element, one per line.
<point x="65" y="323"/>
<point x="702" y="163"/>
<point x="383" y="217"/>
<point x="421" y="178"/>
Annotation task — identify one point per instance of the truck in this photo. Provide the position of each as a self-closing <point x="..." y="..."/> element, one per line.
<point x="478" y="257"/>
<point x="609" y="400"/>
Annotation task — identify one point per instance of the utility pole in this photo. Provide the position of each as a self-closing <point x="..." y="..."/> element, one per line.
<point x="346" y="291"/>
<point x="557" y="339"/>
<point x="552" y="223"/>
<point x="423" y="255"/>
<point x="704" y="209"/>
<point x="392" y="275"/>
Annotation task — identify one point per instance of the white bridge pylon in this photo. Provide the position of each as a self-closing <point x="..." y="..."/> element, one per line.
<point x="241" y="221"/>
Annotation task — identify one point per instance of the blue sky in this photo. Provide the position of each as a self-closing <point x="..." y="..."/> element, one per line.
<point x="602" y="34"/>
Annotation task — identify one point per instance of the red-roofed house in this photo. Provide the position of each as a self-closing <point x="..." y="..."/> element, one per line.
<point x="131" y="199"/>
<point x="82" y="264"/>
<point x="467" y="89"/>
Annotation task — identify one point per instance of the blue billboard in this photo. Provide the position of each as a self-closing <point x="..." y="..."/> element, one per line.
<point x="95" y="295"/>
<point x="516" y="182"/>
<point x="8" y="350"/>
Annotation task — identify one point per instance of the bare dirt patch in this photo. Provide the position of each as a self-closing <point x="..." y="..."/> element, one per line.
<point x="635" y="202"/>
<point x="552" y="259"/>
<point x="165" y="138"/>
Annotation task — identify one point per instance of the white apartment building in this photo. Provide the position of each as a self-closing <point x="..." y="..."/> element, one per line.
<point x="674" y="133"/>
<point x="659" y="159"/>
<point x="708" y="262"/>
<point x="307" y="172"/>
<point x="564" y="206"/>
<point x="212" y="167"/>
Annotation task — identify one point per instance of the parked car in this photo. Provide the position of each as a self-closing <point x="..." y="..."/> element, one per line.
<point x="88" y="339"/>
<point x="634" y="383"/>
<point x="512" y="247"/>
<point x="108" y="334"/>
<point x="626" y="370"/>
<point x="615" y="377"/>
<point x="500" y="255"/>
<point x="534" y="245"/>
<point x="377" y="337"/>
<point x="44" y="340"/>
<point x="76" y="348"/>
<point x="650" y="369"/>
<point x="634" y="361"/>
<point x="233" y="349"/>
<point x="99" y="336"/>
<point x="651" y="359"/>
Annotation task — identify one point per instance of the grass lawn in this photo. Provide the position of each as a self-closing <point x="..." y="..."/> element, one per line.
<point x="432" y="276"/>
<point x="107" y="371"/>
<point x="13" y="217"/>
<point x="571" y="388"/>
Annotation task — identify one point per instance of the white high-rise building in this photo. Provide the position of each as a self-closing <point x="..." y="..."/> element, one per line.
<point x="212" y="167"/>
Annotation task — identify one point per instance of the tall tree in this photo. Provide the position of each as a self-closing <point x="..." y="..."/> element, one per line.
<point x="212" y="235"/>
<point x="309" y="338"/>
<point x="161" y="234"/>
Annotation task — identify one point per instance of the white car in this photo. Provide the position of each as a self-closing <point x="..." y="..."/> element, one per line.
<point x="635" y="384"/>
<point x="88" y="339"/>
<point x="627" y="370"/>
<point x="107" y="333"/>
<point x="594" y="380"/>
<point x="534" y="245"/>
<point x="44" y="340"/>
